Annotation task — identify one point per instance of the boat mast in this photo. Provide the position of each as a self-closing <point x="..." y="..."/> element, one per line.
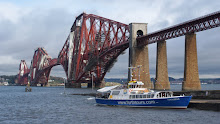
<point x="130" y="69"/>
<point x="139" y="66"/>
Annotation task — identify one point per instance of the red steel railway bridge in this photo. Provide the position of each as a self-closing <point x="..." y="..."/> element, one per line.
<point x="95" y="42"/>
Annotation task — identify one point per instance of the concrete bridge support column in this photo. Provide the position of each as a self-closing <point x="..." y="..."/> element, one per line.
<point x="139" y="55"/>
<point x="162" y="80"/>
<point x="191" y="75"/>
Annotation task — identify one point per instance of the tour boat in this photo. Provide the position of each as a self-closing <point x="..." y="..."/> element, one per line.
<point x="134" y="95"/>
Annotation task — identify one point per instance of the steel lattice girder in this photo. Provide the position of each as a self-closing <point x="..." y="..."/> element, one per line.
<point x="97" y="42"/>
<point x="195" y="25"/>
<point x="22" y="77"/>
<point x="41" y="65"/>
<point x="63" y="56"/>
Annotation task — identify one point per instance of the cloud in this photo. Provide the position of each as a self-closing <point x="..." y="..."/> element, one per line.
<point x="36" y="29"/>
<point x="9" y="69"/>
<point x="27" y="25"/>
<point x="8" y="60"/>
<point x="11" y="12"/>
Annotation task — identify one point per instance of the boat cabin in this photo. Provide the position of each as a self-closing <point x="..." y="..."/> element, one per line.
<point x="135" y="84"/>
<point x="135" y="90"/>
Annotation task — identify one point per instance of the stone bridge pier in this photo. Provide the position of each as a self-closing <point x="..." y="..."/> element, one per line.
<point x="162" y="79"/>
<point x="138" y="56"/>
<point x="191" y="74"/>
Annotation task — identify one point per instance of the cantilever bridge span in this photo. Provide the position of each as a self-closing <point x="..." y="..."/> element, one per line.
<point x="91" y="48"/>
<point x="95" y="42"/>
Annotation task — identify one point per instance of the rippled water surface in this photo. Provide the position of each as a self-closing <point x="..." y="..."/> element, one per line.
<point x="48" y="105"/>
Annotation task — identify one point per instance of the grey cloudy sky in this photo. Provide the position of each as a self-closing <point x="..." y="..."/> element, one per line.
<point x="28" y="24"/>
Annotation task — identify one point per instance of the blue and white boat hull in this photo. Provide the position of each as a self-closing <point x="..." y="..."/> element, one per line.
<point x="172" y="102"/>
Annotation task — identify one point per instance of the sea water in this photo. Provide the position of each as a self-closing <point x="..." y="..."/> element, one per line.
<point x="49" y="105"/>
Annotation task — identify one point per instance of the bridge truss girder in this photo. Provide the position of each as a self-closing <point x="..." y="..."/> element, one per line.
<point x="195" y="25"/>
<point x="94" y="43"/>
<point x="22" y="77"/>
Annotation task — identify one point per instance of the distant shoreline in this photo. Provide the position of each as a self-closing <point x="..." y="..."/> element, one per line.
<point x="57" y="81"/>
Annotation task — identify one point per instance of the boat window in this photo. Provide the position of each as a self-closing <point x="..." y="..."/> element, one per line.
<point x="159" y="95"/>
<point x="144" y="96"/>
<point x="138" y="96"/>
<point x="168" y="94"/>
<point x="132" y="96"/>
<point x="163" y="94"/>
<point x="133" y="92"/>
<point x="152" y="95"/>
<point x="148" y="95"/>
<point x="141" y="92"/>
<point x="141" y="96"/>
<point x="115" y="92"/>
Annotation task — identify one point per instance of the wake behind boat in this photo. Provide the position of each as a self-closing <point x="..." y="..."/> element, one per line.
<point x="134" y="95"/>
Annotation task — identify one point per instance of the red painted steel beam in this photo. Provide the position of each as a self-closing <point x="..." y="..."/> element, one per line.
<point x="22" y="77"/>
<point x="98" y="18"/>
<point x="40" y="66"/>
<point x="100" y="42"/>
<point x="93" y="38"/>
<point x="199" y="24"/>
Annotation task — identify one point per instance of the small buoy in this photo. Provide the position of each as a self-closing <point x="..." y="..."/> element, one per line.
<point x="28" y="89"/>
